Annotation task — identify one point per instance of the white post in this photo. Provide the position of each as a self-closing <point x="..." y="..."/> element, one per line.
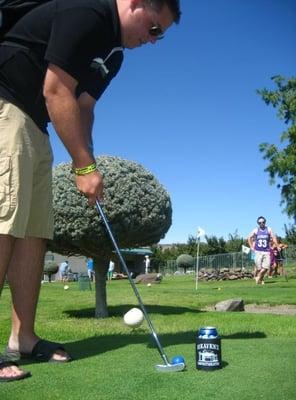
<point x="200" y="233"/>
<point x="197" y="262"/>
<point x="242" y="259"/>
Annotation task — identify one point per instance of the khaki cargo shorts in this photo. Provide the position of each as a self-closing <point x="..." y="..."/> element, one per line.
<point x="262" y="260"/>
<point x="25" y="176"/>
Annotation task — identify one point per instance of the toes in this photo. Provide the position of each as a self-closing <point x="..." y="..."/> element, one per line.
<point x="60" y="356"/>
<point x="11" y="372"/>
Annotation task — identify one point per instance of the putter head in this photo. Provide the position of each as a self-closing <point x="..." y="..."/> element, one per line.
<point x="170" y="367"/>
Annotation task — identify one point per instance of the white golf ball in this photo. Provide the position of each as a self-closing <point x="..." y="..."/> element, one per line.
<point x="133" y="318"/>
<point x="149" y="284"/>
<point x="66" y="287"/>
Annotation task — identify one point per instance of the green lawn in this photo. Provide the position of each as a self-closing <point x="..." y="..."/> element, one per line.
<point x="114" y="362"/>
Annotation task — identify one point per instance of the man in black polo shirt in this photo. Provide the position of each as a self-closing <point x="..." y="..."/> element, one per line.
<point x="55" y="63"/>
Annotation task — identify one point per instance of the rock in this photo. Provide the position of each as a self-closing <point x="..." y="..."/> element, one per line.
<point x="224" y="274"/>
<point x="230" y="305"/>
<point x="148" y="278"/>
<point x="177" y="273"/>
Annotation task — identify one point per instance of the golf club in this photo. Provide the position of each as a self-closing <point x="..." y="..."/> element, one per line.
<point x="166" y="367"/>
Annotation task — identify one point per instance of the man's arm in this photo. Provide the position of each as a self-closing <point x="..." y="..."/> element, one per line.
<point x="87" y="105"/>
<point x="251" y="240"/>
<point x="72" y="126"/>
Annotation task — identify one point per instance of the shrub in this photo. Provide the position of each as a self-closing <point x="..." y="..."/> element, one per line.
<point x="136" y="204"/>
<point x="137" y="207"/>
<point x="50" y="268"/>
<point x="185" y="261"/>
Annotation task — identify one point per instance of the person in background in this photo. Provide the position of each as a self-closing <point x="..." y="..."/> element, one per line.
<point x="259" y="240"/>
<point x="273" y="254"/>
<point x="63" y="270"/>
<point x="279" y="258"/>
<point x="90" y="268"/>
<point x="110" y="270"/>
<point x="147" y="264"/>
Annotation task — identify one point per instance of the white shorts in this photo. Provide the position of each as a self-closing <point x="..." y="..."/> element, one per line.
<point x="262" y="260"/>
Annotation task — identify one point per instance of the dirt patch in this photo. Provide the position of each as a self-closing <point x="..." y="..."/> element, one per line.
<point x="282" y="309"/>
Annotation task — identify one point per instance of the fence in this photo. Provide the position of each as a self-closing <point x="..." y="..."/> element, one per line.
<point x="228" y="260"/>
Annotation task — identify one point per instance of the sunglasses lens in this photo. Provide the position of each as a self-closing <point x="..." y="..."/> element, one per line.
<point x="155" y="31"/>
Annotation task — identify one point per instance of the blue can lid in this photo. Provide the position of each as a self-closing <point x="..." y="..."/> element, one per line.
<point x="208" y="331"/>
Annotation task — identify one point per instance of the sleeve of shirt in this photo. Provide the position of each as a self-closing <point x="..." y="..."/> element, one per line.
<point x="75" y="37"/>
<point x="97" y="80"/>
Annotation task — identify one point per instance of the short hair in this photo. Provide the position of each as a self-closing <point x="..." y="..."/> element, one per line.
<point x="173" y="5"/>
<point x="261" y="218"/>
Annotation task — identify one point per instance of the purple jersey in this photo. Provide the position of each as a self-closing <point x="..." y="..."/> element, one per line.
<point x="262" y="240"/>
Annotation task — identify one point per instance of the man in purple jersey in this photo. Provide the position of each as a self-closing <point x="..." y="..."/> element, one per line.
<point x="259" y="241"/>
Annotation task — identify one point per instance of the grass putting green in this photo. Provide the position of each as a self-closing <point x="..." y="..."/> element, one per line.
<point x="113" y="361"/>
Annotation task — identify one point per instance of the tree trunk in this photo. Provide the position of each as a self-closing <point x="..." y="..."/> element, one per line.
<point x="101" y="268"/>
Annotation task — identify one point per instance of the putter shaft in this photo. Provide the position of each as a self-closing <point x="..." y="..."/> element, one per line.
<point x="154" y="334"/>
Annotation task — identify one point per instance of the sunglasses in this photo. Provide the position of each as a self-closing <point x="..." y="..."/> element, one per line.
<point x="261" y="222"/>
<point x="156" y="31"/>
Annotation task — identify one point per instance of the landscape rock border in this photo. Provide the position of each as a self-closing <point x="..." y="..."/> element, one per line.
<point x="224" y="274"/>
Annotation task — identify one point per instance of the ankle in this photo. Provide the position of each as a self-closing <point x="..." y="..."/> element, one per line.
<point x="22" y="343"/>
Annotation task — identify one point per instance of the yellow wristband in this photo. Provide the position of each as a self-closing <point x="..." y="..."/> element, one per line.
<point x="85" y="170"/>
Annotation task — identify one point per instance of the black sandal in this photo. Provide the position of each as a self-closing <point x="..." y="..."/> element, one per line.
<point x="44" y="350"/>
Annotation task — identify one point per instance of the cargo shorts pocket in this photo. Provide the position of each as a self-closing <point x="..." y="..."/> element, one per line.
<point x="5" y="190"/>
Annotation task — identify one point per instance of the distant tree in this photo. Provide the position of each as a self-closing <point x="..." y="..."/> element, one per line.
<point x="191" y="246"/>
<point x="185" y="261"/>
<point x="234" y="243"/>
<point x="215" y="245"/>
<point x="174" y="251"/>
<point x="137" y="207"/>
<point x="282" y="160"/>
<point x="159" y="257"/>
<point x="290" y="234"/>
<point x="50" y="268"/>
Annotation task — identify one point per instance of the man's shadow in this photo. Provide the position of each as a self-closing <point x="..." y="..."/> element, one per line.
<point x="96" y="345"/>
<point x="119" y="311"/>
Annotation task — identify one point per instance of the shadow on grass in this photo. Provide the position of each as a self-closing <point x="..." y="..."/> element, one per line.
<point x="245" y="335"/>
<point x="119" y="311"/>
<point x="96" y="345"/>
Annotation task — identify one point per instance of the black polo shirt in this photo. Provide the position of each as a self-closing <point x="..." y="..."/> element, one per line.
<point x="82" y="37"/>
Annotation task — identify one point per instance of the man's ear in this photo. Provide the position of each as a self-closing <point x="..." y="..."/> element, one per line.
<point x="136" y="4"/>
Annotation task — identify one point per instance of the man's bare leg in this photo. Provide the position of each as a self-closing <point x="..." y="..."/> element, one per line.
<point x="6" y="249"/>
<point x="24" y="276"/>
<point x="260" y="276"/>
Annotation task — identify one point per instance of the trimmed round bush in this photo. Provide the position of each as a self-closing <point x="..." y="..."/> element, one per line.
<point x="50" y="268"/>
<point x="136" y="204"/>
<point x="185" y="261"/>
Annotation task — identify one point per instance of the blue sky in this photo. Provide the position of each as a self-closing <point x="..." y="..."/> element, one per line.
<point x="187" y="110"/>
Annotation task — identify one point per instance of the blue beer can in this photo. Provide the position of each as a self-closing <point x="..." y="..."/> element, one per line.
<point x="208" y="349"/>
<point x="208" y="332"/>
